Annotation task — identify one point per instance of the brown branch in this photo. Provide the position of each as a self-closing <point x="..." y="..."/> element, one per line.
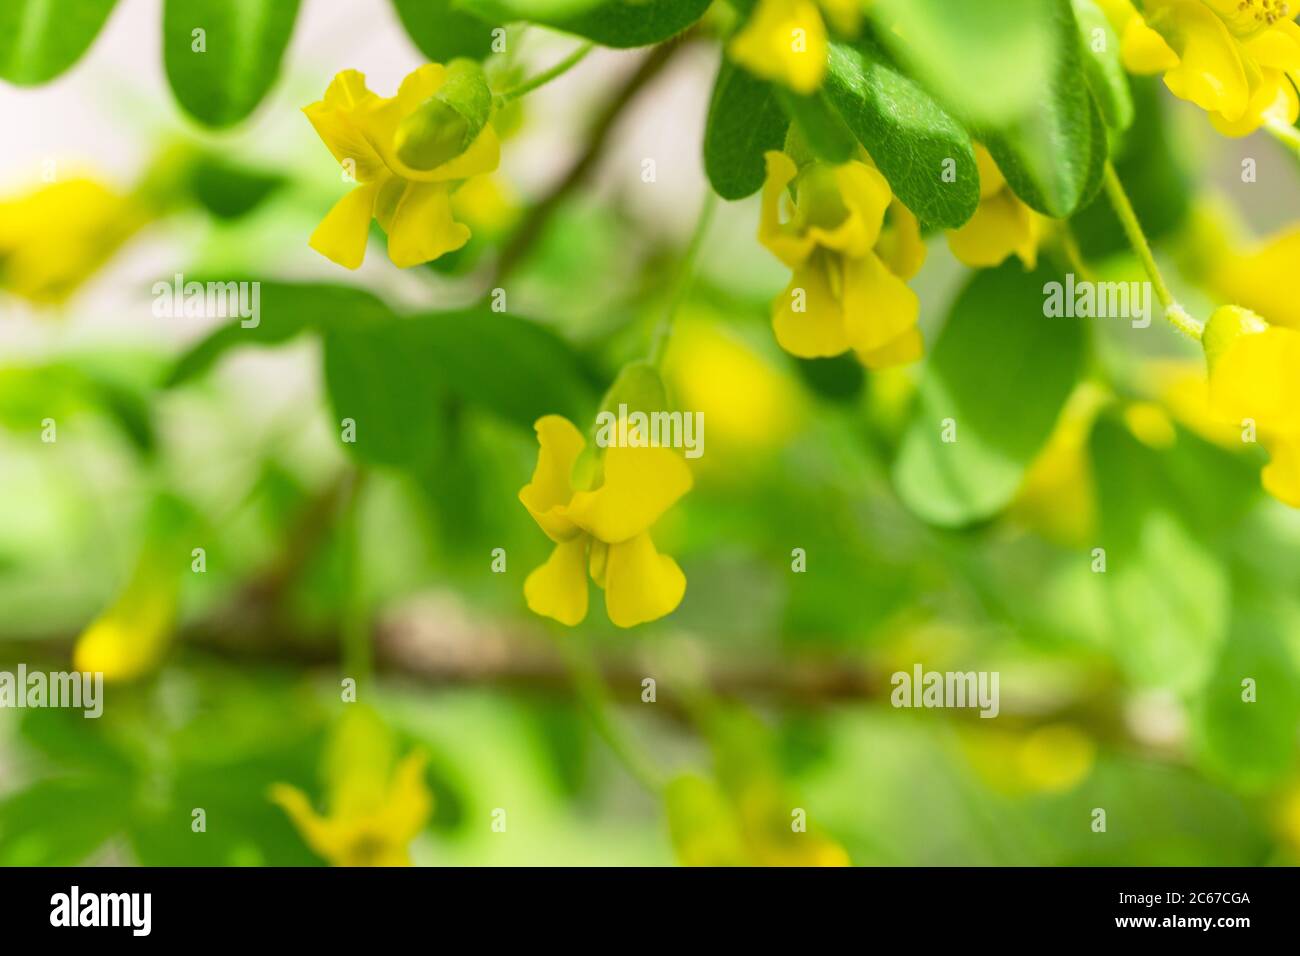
<point x="531" y="229"/>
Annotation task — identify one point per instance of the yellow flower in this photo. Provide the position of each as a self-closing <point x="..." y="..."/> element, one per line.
<point x="603" y="531"/>
<point x="1002" y="224"/>
<point x="785" y="40"/>
<point x="131" y="637"/>
<point x="365" y="133"/>
<point x="376" y="804"/>
<point x="1264" y="278"/>
<point x="1236" y="59"/>
<point x="848" y="290"/>
<point x="1255" y="377"/>
<point x="54" y="238"/>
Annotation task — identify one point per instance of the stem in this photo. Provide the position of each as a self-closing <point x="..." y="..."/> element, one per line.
<point x="590" y="686"/>
<point x="1175" y="313"/>
<point x="1285" y="133"/>
<point x="541" y="79"/>
<point x="682" y="282"/>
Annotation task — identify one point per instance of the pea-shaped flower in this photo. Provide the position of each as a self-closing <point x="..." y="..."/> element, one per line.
<point x="408" y="154"/>
<point x="1255" y="379"/>
<point x="1236" y="59"/>
<point x="603" y="531"/>
<point x="849" y="288"/>
<point x="1002" y="224"/>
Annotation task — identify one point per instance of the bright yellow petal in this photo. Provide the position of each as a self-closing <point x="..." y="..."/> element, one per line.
<point x="1281" y="476"/>
<point x="640" y="583"/>
<point x="784" y="40"/>
<point x="1265" y="279"/>
<point x="866" y="194"/>
<point x="548" y="494"/>
<point x="908" y="347"/>
<point x="878" y="305"/>
<point x="1145" y="51"/>
<point x="1210" y="72"/>
<point x="335" y="120"/>
<point x="329" y="838"/>
<point x="992" y="181"/>
<point x="818" y="331"/>
<point x="1274" y="100"/>
<point x="1001" y="226"/>
<point x="785" y="242"/>
<point x="1257" y="376"/>
<point x="901" y="247"/>
<point x="558" y="589"/>
<point x="420" y="227"/>
<point x="640" y="485"/>
<point x="341" y="235"/>
<point x="408" y="802"/>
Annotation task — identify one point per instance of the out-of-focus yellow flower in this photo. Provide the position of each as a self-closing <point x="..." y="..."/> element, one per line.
<point x="376" y="804"/>
<point x="1181" y="387"/>
<point x="486" y="205"/>
<point x="1255" y="376"/>
<point x="1051" y="759"/>
<point x="366" y="133"/>
<point x="1150" y="424"/>
<point x="786" y="40"/>
<point x="603" y="531"/>
<point x="1264" y="278"/>
<point x="1236" y="59"/>
<point x="849" y="288"/>
<point x="1057" y="497"/>
<point x="749" y="404"/>
<point x="130" y="638"/>
<point x="1002" y="224"/>
<point x="54" y="238"/>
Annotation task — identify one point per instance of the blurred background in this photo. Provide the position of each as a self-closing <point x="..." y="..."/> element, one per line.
<point x="477" y="734"/>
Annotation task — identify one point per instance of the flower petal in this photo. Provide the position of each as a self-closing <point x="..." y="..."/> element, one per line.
<point x="1281" y="476"/>
<point x="558" y="589"/>
<point x="551" y="488"/>
<point x="786" y="243"/>
<point x="1210" y="71"/>
<point x="878" y="305"/>
<point x="640" y="583"/>
<point x="1001" y="226"/>
<point x="421" y="227"/>
<point x="818" y="331"/>
<point x="784" y="40"/>
<point x="640" y="485"/>
<point x="1255" y="377"/>
<point x="341" y="235"/>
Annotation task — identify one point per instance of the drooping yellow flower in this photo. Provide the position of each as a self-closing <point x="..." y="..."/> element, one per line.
<point x="849" y="288"/>
<point x="1264" y="278"/>
<point x="1002" y="224"/>
<point x="54" y="238"/>
<point x="604" y="530"/>
<point x="413" y="206"/>
<point x="130" y="638"/>
<point x="1255" y="378"/>
<point x="786" y="40"/>
<point x="1236" y="59"/>
<point x="376" y="804"/>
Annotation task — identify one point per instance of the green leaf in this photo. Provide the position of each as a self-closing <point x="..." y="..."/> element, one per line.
<point x="229" y="191"/>
<point x="442" y="31"/>
<point x="1250" y="743"/>
<point x="1102" y="67"/>
<point x="616" y="23"/>
<point x="1001" y="371"/>
<point x="745" y="121"/>
<point x="286" y="310"/>
<point x="839" y="379"/>
<point x="1053" y="156"/>
<point x="1165" y="592"/>
<point x="243" y="42"/>
<point x="39" y="39"/>
<point x="911" y="139"/>
<point x="1153" y="172"/>
<point x="824" y="130"/>
<point x="988" y="62"/>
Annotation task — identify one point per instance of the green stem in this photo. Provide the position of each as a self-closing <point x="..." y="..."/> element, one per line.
<point x="1175" y="313"/>
<point x="541" y="79"/>
<point x="682" y="282"/>
<point x="591" y="690"/>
